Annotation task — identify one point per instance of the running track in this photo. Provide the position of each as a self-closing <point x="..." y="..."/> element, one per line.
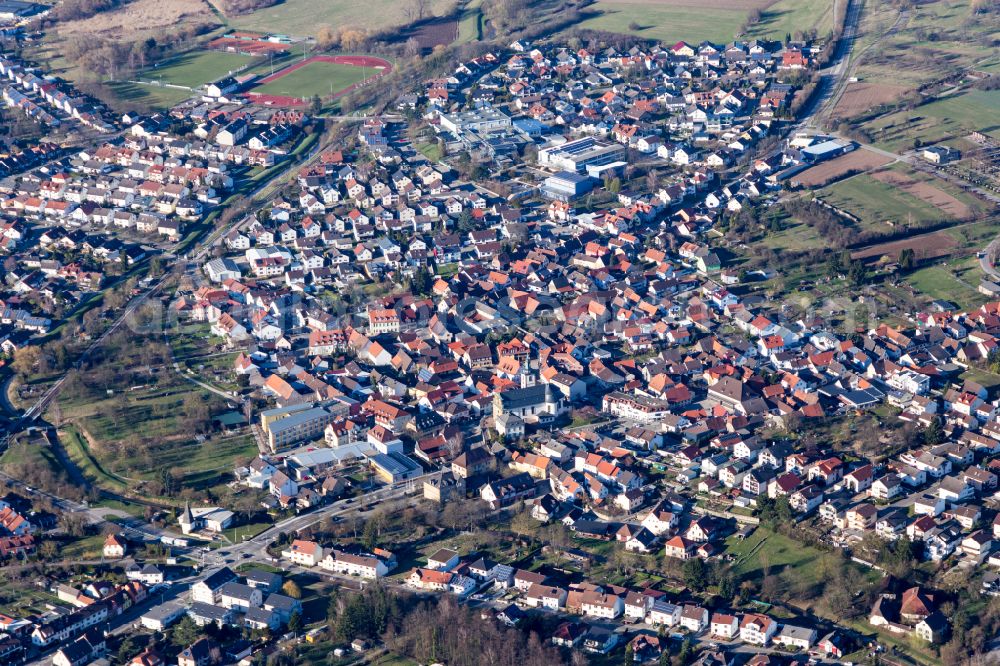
<point x="384" y="67"/>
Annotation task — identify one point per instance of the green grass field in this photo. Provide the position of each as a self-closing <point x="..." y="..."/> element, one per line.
<point x="778" y="553"/>
<point x="78" y="451"/>
<point x="942" y="120"/>
<point x="794" y="236"/>
<point x="953" y="280"/>
<point x="431" y="151"/>
<point x="470" y="24"/>
<point x="788" y="16"/>
<point x="303" y="18"/>
<point x="32" y="455"/>
<point x="155" y="97"/>
<point x="316" y="78"/>
<point x="665" y="23"/>
<point x="196" y="68"/>
<point x="668" y="22"/>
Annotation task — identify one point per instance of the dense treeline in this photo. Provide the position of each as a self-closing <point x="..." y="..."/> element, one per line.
<point x="837" y="231"/>
<point x="237" y="7"/>
<point x="115" y="58"/>
<point x="434" y="630"/>
<point x="74" y="10"/>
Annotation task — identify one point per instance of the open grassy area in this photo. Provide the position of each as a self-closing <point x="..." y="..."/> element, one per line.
<point x="238" y="534"/>
<point x="987" y="379"/>
<point x="303" y="18"/>
<point x="940" y="282"/>
<point x="665" y="22"/>
<point x="953" y="280"/>
<point x="32" y="455"/>
<point x="316" y="78"/>
<point x="794" y="236"/>
<point x="87" y="548"/>
<point x="79" y="452"/>
<point x="144" y="431"/>
<point x="669" y="21"/>
<point x="776" y="553"/>
<point x="788" y="16"/>
<point x="195" y="68"/>
<point x="940" y="38"/>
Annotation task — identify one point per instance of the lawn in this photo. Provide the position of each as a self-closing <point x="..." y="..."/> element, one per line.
<point x="303" y="18"/>
<point x="795" y="236"/>
<point x="31" y="454"/>
<point x="195" y="68"/>
<point x="316" y="78"/>
<point x="238" y="534"/>
<point x="984" y="378"/>
<point x="431" y="151"/>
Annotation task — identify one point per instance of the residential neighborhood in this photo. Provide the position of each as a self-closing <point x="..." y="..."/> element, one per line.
<point x="487" y="355"/>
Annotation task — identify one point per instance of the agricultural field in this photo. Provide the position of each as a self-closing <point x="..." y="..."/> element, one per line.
<point x="860" y="97"/>
<point x="940" y="39"/>
<point x="924" y="246"/>
<point x="715" y="20"/>
<point x="303" y="18"/>
<point x="928" y="191"/>
<point x="898" y="195"/>
<point x="314" y="78"/>
<point x="941" y="120"/>
<point x="196" y="68"/>
<point x="856" y="160"/>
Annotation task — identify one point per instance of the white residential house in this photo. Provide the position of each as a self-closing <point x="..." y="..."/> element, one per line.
<point x="304" y="553"/>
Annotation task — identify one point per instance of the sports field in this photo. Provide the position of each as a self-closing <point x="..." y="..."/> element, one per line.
<point x="322" y="76"/>
<point x="196" y="68"/>
<point x="155" y="97"/>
